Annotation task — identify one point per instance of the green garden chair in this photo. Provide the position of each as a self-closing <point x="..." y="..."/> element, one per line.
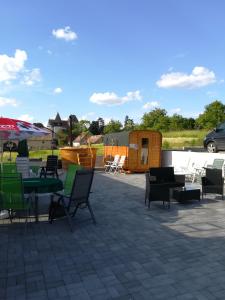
<point x="8" y="168"/>
<point x="68" y="183"/>
<point x="12" y="195"/>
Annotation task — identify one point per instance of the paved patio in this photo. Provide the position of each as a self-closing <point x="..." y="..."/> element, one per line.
<point x="132" y="253"/>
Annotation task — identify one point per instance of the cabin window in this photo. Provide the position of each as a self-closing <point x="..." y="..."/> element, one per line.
<point x="144" y="151"/>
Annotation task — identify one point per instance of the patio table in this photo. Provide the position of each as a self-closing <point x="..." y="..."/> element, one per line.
<point x="37" y="186"/>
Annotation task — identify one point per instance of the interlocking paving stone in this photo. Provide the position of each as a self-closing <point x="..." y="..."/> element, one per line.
<point x="132" y="253"/>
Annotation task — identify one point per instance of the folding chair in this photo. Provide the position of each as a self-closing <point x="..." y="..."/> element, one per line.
<point x="109" y="164"/>
<point x="116" y="168"/>
<point x="68" y="183"/>
<point x="8" y="168"/>
<point x="12" y="195"/>
<point x="51" y="167"/>
<point x="79" y="197"/>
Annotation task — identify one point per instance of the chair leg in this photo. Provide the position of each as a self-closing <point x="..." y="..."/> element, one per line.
<point x="75" y="210"/>
<point x="91" y="212"/>
<point x="66" y="209"/>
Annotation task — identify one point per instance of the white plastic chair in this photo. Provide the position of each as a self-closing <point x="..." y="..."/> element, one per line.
<point x="112" y="163"/>
<point x="119" y="166"/>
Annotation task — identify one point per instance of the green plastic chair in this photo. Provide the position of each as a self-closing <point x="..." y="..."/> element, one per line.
<point x="70" y="175"/>
<point x="12" y="194"/>
<point x="8" y="168"/>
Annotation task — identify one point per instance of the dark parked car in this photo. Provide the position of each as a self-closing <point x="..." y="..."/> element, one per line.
<point x="215" y="139"/>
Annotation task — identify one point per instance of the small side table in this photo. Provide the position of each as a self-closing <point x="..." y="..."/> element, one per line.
<point x="184" y="195"/>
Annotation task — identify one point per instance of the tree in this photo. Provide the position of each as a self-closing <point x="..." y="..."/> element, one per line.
<point x="189" y="123"/>
<point x="156" y="119"/>
<point x="214" y="114"/>
<point x="128" y="124"/>
<point x="63" y="137"/>
<point x="84" y="124"/>
<point x="76" y="130"/>
<point x="22" y="149"/>
<point x="94" y="127"/>
<point x="176" y="122"/>
<point x="101" y="125"/>
<point x="113" y="126"/>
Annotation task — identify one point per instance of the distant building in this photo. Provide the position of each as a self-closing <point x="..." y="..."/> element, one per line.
<point x="85" y="138"/>
<point x="40" y="142"/>
<point x="96" y="139"/>
<point x="82" y="139"/>
<point x="57" y="124"/>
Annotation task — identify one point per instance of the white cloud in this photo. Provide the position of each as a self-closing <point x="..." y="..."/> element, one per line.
<point x="49" y="52"/>
<point x="11" y="66"/>
<point x="57" y="90"/>
<point x="151" y="105"/>
<point x="26" y="118"/>
<point x="199" y="77"/>
<point x="65" y="33"/>
<point x="31" y="77"/>
<point x="8" y="102"/>
<point x="111" y="98"/>
<point x="174" y="111"/>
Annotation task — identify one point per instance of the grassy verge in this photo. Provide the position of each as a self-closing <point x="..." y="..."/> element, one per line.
<point x="185" y="138"/>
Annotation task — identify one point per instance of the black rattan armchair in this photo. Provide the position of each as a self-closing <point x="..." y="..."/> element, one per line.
<point x="213" y="182"/>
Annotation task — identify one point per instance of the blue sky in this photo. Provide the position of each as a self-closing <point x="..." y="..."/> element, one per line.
<point x="110" y="58"/>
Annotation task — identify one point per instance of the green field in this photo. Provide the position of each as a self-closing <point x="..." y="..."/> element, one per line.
<point x="185" y="138"/>
<point x="171" y="140"/>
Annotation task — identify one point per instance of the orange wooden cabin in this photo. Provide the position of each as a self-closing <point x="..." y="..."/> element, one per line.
<point x="141" y="147"/>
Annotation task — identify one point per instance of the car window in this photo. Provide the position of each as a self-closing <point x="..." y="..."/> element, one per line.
<point x="221" y="127"/>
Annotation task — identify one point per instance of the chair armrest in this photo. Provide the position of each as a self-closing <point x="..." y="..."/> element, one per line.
<point x="180" y="178"/>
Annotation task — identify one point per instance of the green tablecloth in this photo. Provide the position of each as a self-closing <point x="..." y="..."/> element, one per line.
<point x="42" y="185"/>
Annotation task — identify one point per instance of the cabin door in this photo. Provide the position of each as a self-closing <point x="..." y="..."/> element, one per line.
<point x="143" y="151"/>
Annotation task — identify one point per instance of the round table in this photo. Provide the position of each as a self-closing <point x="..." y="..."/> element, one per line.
<point x="40" y="186"/>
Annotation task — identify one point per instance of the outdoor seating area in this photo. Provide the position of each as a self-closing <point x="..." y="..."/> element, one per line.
<point x="132" y="252"/>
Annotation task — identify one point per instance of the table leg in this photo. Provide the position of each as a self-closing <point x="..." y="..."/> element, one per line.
<point x="34" y="198"/>
<point x="36" y="208"/>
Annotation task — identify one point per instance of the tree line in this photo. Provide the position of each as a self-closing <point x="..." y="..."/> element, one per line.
<point x="156" y="119"/>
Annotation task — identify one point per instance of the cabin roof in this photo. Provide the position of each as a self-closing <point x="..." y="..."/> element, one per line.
<point x="122" y="138"/>
<point x="117" y="139"/>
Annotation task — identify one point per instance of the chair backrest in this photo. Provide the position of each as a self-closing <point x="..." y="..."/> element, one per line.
<point x="70" y="175"/>
<point x="218" y="163"/>
<point x="116" y="160"/>
<point x="163" y="174"/>
<point x="11" y="191"/>
<point x="214" y="176"/>
<point x="122" y="161"/>
<point x="23" y="166"/>
<point x="82" y="186"/>
<point x="8" y="168"/>
<point x="52" y="162"/>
